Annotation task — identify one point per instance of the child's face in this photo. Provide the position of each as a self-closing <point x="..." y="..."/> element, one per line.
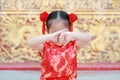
<point x="57" y="25"/>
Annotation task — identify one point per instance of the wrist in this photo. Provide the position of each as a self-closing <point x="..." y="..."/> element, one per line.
<point x="48" y="37"/>
<point x="82" y="36"/>
<point x="76" y="36"/>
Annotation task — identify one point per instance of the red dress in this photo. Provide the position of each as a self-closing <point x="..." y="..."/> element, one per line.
<point x="59" y="62"/>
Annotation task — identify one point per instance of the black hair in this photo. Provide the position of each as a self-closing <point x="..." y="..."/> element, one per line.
<point x="54" y="15"/>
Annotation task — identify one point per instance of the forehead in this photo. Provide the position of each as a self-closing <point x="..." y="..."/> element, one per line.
<point x="58" y="22"/>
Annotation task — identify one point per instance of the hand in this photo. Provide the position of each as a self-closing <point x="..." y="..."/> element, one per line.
<point x="66" y="37"/>
<point x="56" y="35"/>
<point x="61" y="39"/>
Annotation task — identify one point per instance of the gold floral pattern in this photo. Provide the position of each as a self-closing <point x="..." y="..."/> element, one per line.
<point x="19" y="20"/>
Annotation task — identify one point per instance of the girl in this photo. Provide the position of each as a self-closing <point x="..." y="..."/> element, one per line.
<point x="58" y="47"/>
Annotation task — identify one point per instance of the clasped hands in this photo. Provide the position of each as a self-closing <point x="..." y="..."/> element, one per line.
<point x="62" y="37"/>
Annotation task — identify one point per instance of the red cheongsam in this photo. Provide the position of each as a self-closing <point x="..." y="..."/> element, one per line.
<point x="58" y="62"/>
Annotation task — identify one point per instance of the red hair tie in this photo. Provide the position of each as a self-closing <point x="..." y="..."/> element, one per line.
<point x="72" y="18"/>
<point x="43" y="18"/>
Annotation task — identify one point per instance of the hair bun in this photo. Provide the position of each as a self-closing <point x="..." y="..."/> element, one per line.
<point x="72" y="17"/>
<point x="43" y="16"/>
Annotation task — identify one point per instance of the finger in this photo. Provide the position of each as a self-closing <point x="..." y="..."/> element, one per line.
<point x="61" y="41"/>
<point x="62" y="35"/>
